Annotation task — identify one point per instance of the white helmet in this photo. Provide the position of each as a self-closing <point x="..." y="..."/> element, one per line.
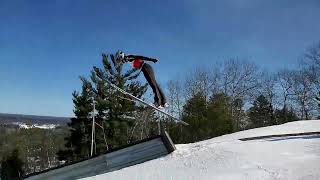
<point x="120" y="55"/>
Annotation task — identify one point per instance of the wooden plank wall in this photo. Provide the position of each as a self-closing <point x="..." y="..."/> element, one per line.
<point x="132" y="155"/>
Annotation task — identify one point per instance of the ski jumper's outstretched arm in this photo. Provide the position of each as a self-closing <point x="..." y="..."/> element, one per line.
<point x="131" y="58"/>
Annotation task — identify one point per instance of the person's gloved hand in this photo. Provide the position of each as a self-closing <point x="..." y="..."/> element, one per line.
<point x="154" y="60"/>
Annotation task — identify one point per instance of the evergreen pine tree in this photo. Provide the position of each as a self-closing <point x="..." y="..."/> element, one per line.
<point x="219" y="116"/>
<point x="206" y="119"/>
<point x="195" y="114"/>
<point x="238" y="115"/>
<point x="78" y="144"/>
<point x="284" y="115"/>
<point x="261" y="114"/>
<point x="113" y="115"/>
<point x="114" y="110"/>
<point x="12" y="167"/>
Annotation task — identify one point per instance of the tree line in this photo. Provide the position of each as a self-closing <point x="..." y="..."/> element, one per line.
<point x="237" y="94"/>
<point x="25" y="151"/>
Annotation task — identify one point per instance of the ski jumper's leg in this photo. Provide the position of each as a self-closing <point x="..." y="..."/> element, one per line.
<point x="149" y="75"/>
<point x="163" y="98"/>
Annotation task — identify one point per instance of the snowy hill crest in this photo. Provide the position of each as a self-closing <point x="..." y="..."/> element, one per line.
<point x="227" y="157"/>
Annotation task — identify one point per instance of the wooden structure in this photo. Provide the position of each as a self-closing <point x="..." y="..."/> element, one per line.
<point x="132" y="154"/>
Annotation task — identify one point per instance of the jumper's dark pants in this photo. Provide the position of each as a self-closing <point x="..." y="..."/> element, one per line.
<point x="148" y="73"/>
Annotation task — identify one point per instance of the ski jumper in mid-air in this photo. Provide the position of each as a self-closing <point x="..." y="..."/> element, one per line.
<point x="138" y="62"/>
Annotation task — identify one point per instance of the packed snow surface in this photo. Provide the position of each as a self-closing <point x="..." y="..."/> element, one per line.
<point x="227" y="157"/>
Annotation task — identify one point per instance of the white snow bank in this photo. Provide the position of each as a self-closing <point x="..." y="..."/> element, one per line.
<point x="226" y="158"/>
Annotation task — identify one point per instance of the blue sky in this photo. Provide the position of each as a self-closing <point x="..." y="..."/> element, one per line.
<point x="46" y="45"/>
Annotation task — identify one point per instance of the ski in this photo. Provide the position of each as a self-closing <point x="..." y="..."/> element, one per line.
<point x="145" y="103"/>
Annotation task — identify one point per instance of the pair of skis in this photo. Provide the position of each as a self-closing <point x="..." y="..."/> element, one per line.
<point x="145" y="103"/>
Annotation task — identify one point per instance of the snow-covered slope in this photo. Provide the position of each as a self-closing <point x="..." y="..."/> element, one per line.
<point x="226" y="158"/>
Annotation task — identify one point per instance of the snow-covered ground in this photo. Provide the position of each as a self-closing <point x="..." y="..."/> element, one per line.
<point x="226" y="157"/>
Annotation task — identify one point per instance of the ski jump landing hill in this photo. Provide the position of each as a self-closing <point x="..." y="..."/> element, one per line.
<point x="289" y="151"/>
<point x="113" y="160"/>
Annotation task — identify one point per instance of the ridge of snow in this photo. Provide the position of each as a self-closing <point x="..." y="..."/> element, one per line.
<point x="226" y="157"/>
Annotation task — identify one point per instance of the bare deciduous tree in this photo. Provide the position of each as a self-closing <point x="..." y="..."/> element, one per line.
<point x="313" y="55"/>
<point x="285" y="86"/>
<point x="239" y="80"/>
<point x="144" y="124"/>
<point x="175" y="97"/>
<point x="311" y="62"/>
<point x="304" y="93"/>
<point x="198" y="80"/>
<point x="268" y="84"/>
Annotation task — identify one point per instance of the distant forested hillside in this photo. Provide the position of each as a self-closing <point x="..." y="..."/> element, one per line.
<point x="31" y="119"/>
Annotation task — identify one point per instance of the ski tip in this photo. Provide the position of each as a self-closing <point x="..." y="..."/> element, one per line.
<point x="163" y="106"/>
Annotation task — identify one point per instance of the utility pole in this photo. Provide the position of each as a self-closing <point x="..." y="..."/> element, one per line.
<point x="93" y="125"/>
